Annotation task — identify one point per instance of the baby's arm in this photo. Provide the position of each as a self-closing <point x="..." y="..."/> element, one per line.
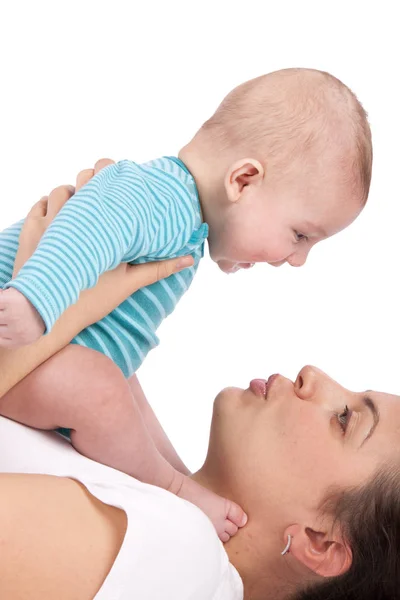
<point x="106" y="222"/>
<point x="93" y="304"/>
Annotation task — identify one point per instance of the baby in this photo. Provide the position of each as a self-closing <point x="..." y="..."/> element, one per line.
<point x="284" y="163"/>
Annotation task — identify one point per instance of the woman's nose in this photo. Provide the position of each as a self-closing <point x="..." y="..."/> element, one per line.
<point x="307" y="382"/>
<point x="316" y="386"/>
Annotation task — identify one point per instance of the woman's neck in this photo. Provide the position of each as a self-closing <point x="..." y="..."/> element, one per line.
<point x="253" y="553"/>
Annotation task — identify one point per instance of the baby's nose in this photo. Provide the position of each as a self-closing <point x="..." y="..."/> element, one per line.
<point x="297" y="259"/>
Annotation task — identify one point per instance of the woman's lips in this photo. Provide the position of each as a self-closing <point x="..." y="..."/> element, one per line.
<point x="261" y="387"/>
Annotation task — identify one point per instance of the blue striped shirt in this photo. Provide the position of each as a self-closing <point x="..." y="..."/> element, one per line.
<point x="126" y="213"/>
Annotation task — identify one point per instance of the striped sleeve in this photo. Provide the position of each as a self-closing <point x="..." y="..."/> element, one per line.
<point x="106" y="221"/>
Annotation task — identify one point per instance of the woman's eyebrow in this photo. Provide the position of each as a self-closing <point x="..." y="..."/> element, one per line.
<point x="369" y="403"/>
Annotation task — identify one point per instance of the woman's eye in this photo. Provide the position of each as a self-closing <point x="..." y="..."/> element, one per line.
<point x="299" y="236"/>
<point x="343" y="418"/>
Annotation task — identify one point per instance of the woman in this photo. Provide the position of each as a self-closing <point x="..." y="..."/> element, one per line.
<point x="308" y="460"/>
<point x="312" y="464"/>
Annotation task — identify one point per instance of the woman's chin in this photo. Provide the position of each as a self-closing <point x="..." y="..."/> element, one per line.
<point x="228" y="397"/>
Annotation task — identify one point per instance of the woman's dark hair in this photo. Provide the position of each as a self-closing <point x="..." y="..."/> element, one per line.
<point x="370" y="523"/>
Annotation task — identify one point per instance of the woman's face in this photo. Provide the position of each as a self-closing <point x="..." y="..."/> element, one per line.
<point x="279" y="447"/>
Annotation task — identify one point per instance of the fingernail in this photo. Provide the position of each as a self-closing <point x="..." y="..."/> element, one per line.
<point x="244" y="520"/>
<point x="185" y="261"/>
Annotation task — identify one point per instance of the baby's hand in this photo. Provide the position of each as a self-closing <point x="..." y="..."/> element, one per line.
<point x="20" y="323"/>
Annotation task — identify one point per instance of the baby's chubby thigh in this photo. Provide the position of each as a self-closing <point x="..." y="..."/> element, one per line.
<point x="77" y="388"/>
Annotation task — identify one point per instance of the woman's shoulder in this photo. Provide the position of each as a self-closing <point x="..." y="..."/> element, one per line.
<point x="170" y="548"/>
<point x="170" y="545"/>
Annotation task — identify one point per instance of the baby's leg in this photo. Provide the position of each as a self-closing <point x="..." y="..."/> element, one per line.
<point x="155" y="429"/>
<point x="83" y="390"/>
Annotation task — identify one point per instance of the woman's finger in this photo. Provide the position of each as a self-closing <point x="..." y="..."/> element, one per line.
<point x="86" y="175"/>
<point x="83" y="177"/>
<point x="117" y="285"/>
<point x="103" y="162"/>
<point x="39" y="209"/>
<point x="57" y="198"/>
<point x="31" y="232"/>
<point x="139" y="276"/>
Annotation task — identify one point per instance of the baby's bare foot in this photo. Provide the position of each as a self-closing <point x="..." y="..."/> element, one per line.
<point x="225" y="515"/>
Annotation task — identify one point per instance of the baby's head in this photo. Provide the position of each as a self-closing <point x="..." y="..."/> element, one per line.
<point x="283" y="163"/>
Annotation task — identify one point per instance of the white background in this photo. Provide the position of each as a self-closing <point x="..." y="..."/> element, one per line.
<point x="127" y="79"/>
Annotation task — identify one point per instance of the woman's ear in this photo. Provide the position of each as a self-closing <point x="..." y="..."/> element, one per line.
<point x="327" y="555"/>
<point x="244" y="172"/>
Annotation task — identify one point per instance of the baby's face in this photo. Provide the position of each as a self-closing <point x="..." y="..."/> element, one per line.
<point x="280" y="222"/>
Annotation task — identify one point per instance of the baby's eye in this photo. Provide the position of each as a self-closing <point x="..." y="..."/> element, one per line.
<point x="344" y="418"/>
<point x="299" y="236"/>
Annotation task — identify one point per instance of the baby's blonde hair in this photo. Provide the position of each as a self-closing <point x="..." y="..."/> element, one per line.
<point x="286" y="114"/>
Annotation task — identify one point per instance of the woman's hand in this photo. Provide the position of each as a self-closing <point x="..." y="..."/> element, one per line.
<point x="93" y="304"/>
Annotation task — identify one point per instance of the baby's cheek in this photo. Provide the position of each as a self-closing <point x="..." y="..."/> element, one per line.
<point x="275" y="249"/>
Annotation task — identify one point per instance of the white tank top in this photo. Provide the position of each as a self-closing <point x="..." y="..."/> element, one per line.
<point x="170" y="550"/>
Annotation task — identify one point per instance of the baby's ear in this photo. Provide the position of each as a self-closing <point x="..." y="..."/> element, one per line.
<point x="244" y="172"/>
